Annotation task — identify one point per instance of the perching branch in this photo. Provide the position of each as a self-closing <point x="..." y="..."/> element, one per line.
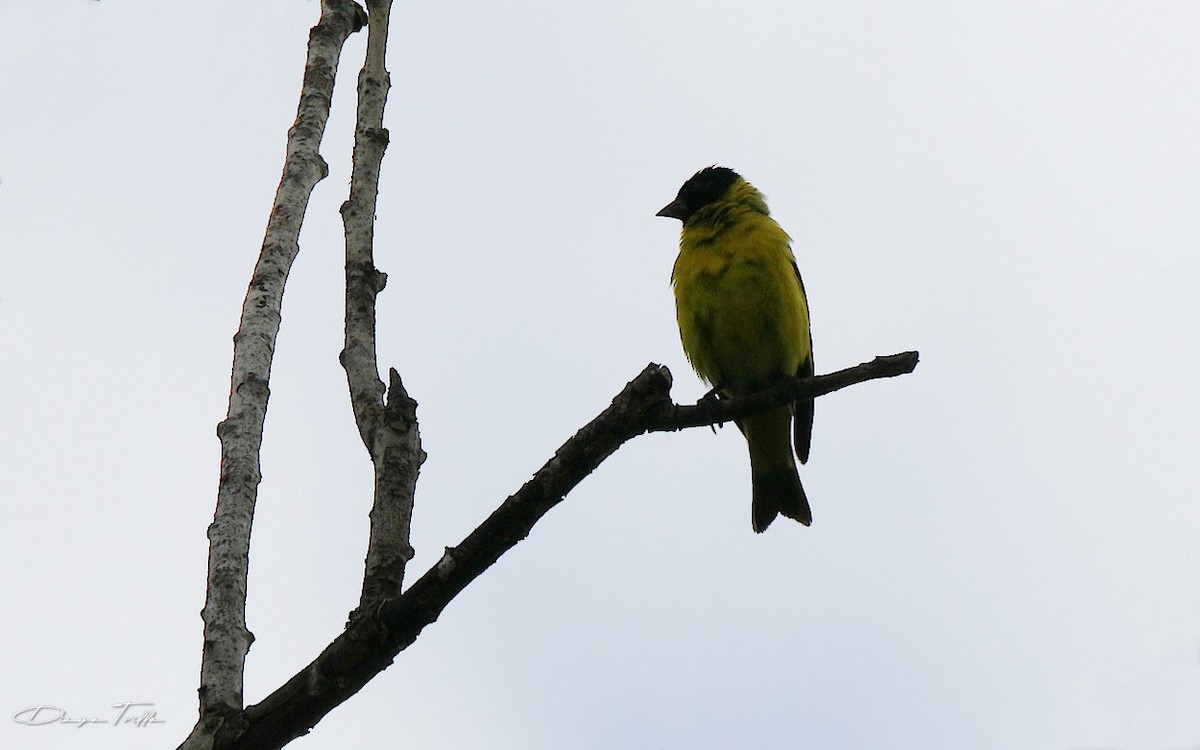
<point x="370" y="642"/>
<point x="226" y="638"/>
<point x="793" y="389"/>
<point x="388" y="429"/>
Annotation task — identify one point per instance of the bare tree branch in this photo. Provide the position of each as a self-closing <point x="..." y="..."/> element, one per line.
<point x="388" y="430"/>
<point x="791" y="389"/>
<point x="226" y="638"/>
<point x="371" y="640"/>
<point x="387" y="621"/>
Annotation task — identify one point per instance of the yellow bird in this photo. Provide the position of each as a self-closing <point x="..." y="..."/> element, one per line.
<point x="743" y="319"/>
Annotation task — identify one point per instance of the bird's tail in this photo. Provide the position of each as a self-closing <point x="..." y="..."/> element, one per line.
<point x="776" y="483"/>
<point x="778" y="492"/>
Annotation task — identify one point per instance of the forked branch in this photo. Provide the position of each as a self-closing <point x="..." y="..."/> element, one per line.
<point x="387" y="621"/>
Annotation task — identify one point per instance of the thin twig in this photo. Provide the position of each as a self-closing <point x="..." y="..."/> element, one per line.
<point x="785" y="392"/>
<point x="226" y="637"/>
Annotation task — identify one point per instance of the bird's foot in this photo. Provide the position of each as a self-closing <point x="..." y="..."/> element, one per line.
<point x="707" y="401"/>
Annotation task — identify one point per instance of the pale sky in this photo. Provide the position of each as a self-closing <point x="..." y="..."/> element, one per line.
<point x="1004" y="554"/>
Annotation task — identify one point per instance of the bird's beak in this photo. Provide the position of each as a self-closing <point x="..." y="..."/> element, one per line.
<point x="674" y="210"/>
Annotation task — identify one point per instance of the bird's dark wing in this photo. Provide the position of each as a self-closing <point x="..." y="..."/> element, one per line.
<point x="802" y="427"/>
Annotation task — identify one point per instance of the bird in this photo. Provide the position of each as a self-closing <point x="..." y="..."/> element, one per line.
<point x="744" y="324"/>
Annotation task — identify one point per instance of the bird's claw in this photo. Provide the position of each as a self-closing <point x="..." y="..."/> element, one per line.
<point x="707" y="401"/>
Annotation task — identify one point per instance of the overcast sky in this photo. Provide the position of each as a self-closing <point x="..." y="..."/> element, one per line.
<point x="1004" y="554"/>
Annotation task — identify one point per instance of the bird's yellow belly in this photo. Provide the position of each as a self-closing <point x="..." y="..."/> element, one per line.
<point x="743" y="324"/>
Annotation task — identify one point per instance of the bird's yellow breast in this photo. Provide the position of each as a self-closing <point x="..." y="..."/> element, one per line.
<point x="740" y="304"/>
